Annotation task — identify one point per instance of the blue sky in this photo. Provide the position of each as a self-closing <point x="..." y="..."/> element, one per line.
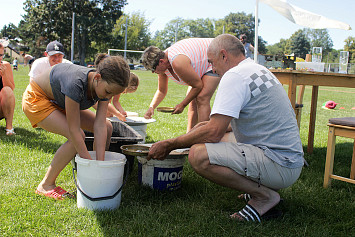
<point x="272" y="25"/>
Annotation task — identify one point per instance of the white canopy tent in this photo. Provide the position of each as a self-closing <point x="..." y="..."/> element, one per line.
<point x="298" y="16"/>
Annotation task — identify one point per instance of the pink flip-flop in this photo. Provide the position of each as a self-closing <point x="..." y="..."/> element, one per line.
<point x="57" y="193"/>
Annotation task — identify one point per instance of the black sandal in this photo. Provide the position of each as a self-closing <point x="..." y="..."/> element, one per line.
<point x="248" y="213"/>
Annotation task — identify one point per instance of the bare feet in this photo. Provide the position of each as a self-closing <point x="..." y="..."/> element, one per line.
<point x="43" y="188"/>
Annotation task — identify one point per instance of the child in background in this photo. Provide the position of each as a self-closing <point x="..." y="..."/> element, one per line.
<point x="116" y="109"/>
<point x="14" y="64"/>
<point x="59" y="100"/>
<point x="132" y="87"/>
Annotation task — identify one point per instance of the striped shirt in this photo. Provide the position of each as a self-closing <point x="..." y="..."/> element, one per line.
<point x="196" y="50"/>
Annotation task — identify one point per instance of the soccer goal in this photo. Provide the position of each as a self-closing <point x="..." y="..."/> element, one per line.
<point x="131" y="56"/>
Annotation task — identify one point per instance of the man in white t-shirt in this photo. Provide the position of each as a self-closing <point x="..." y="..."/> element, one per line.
<point x="54" y="55"/>
<point x="268" y="154"/>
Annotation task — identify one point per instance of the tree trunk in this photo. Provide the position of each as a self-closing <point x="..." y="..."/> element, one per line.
<point x="82" y="47"/>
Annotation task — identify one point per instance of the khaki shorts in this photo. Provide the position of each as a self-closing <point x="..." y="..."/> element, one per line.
<point x="250" y="161"/>
<point x="36" y="105"/>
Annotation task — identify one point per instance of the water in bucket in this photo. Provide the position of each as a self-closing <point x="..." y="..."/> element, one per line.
<point x="100" y="179"/>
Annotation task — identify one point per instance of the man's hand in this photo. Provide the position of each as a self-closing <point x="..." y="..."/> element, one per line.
<point x="160" y="150"/>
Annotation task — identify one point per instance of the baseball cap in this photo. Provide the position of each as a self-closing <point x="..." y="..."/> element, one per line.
<point x="54" y="47"/>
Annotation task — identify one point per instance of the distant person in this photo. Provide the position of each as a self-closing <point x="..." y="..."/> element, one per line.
<point x="28" y="59"/>
<point x="7" y="96"/>
<point x="267" y="154"/>
<point x="54" y="54"/>
<point x="132" y="87"/>
<point x="59" y="100"/>
<point x="15" y="64"/>
<point x="185" y="62"/>
<point x="247" y="46"/>
<point x="116" y="109"/>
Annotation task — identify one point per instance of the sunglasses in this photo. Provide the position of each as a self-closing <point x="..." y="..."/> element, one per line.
<point x="155" y="65"/>
<point x="2" y="55"/>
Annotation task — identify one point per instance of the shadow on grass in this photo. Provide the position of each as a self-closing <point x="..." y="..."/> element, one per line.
<point x="342" y="159"/>
<point x="140" y="205"/>
<point x="142" y="209"/>
<point x="33" y="139"/>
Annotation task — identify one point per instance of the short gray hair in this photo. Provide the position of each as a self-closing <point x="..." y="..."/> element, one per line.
<point x="151" y="57"/>
<point x="228" y="42"/>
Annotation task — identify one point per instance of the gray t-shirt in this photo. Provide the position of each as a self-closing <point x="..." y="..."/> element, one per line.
<point x="71" y="80"/>
<point x="262" y="113"/>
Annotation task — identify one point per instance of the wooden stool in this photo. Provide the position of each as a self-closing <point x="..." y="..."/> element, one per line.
<point x="344" y="127"/>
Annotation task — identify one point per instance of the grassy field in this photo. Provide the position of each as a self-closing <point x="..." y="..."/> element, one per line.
<point x="199" y="208"/>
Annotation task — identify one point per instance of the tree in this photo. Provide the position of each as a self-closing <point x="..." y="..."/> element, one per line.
<point x="178" y="29"/>
<point x="332" y="56"/>
<point x="350" y="46"/>
<point x="240" y="23"/>
<point x="319" y="38"/>
<point x="234" y="23"/>
<point x="10" y="31"/>
<point x="199" y="28"/>
<point x="286" y="46"/>
<point x="170" y="34"/>
<point x="138" y="35"/>
<point x="48" y="20"/>
<point x="281" y="48"/>
<point x="299" y="44"/>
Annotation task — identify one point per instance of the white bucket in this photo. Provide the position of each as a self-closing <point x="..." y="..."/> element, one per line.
<point x="142" y="130"/>
<point x="140" y="125"/>
<point x="100" y="180"/>
<point x="161" y="174"/>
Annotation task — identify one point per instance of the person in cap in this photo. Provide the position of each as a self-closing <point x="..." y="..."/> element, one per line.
<point x="54" y="55"/>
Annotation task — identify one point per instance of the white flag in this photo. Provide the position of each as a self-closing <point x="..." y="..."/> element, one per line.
<point x="303" y="17"/>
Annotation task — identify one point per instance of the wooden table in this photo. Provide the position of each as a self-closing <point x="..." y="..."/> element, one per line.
<point x="293" y="78"/>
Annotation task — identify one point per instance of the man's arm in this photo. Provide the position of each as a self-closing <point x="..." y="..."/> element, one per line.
<point x="209" y="132"/>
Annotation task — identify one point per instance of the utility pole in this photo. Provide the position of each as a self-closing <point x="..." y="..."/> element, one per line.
<point x="72" y="35"/>
<point x="125" y="40"/>
<point x="256" y="42"/>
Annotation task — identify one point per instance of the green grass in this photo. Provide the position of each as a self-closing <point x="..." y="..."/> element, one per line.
<point x="199" y="208"/>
